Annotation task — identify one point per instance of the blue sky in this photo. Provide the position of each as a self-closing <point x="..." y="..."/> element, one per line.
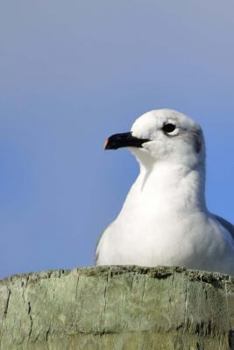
<point x="73" y="72"/>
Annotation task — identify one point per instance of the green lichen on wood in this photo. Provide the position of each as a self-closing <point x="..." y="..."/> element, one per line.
<point x="117" y="308"/>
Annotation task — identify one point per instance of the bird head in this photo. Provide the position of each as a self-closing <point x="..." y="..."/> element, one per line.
<point x="163" y="135"/>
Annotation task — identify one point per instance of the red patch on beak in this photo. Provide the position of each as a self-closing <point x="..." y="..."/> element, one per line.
<point x="105" y="143"/>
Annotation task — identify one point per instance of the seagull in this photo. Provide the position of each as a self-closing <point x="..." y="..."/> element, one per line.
<point x="164" y="219"/>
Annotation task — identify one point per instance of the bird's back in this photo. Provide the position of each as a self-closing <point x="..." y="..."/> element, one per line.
<point x="226" y="224"/>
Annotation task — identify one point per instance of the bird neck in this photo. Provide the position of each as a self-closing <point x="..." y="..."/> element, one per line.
<point x="171" y="186"/>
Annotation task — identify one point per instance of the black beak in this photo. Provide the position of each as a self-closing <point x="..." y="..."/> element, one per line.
<point x="124" y="140"/>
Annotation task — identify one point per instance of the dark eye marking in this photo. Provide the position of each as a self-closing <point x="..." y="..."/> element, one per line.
<point x="198" y="142"/>
<point x="168" y="128"/>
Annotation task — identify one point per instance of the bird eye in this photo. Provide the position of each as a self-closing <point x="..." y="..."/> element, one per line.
<point x="169" y="128"/>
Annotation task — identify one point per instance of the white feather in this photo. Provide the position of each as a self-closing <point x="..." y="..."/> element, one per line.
<point x="164" y="220"/>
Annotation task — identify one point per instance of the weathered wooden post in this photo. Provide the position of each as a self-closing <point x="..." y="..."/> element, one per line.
<point x="107" y="308"/>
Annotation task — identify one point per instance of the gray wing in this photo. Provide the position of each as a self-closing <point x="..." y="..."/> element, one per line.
<point x="229" y="227"/>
